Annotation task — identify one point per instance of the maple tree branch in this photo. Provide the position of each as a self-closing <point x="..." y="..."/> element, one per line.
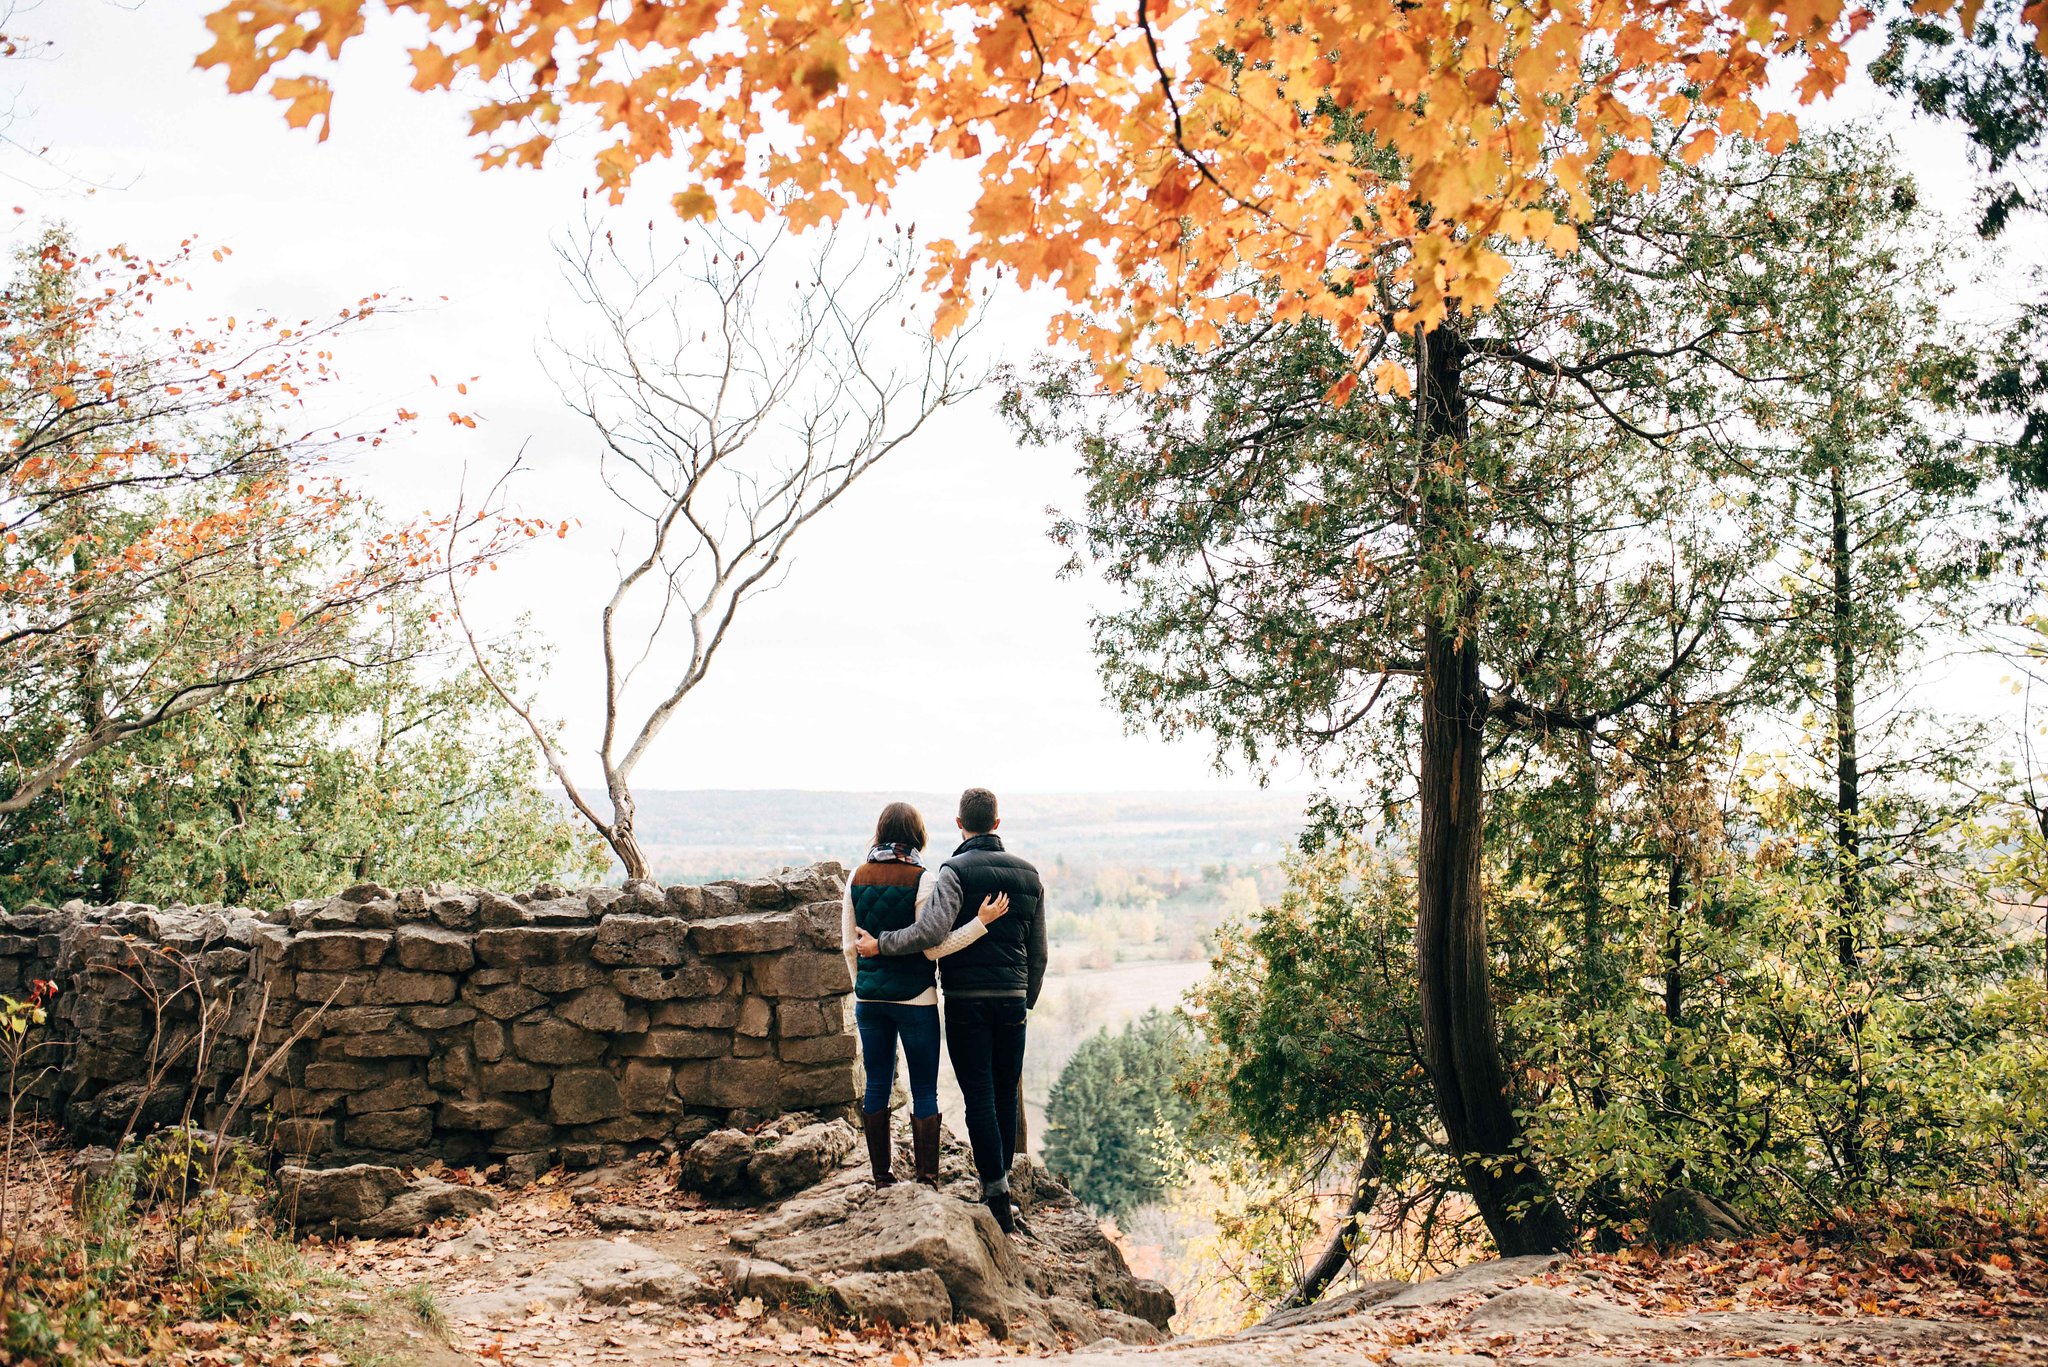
<point x="1173" y="107"/>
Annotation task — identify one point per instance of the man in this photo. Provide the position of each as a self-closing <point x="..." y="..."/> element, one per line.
<point x="988" y="986"/>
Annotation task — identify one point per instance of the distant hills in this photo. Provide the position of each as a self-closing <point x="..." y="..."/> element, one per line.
<point x="714" y="833"/>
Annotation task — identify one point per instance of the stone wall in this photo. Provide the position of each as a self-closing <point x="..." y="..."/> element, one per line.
<point x="464" y="1025"/>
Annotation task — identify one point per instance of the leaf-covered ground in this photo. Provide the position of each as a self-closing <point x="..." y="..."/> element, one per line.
<point x="178" y="1283"/>
<point x="1938" y="1290"/>
<point x="1958" y="1266"/>
<point x="1954" y="1288"/>
<point x="1950" y="1289"/>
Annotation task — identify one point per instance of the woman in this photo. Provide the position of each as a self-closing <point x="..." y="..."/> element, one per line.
<point x="897" y="997"/>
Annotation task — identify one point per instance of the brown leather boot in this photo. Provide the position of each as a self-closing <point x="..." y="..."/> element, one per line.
<point x="924" y="1145"/>
<point x="880" y="1146"/>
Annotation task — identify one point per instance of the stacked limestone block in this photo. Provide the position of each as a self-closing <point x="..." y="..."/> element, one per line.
<point x="152" y="1009"/>
<point x="468" y="1026"/>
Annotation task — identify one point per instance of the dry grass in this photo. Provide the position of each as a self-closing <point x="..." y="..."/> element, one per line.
<point x="137" y="1266"/>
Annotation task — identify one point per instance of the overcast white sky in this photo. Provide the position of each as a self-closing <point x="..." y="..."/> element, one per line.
<point x="996" y="685"/>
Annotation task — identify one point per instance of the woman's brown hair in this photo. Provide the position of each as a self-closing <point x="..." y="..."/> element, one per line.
<point x="900" y="824"/>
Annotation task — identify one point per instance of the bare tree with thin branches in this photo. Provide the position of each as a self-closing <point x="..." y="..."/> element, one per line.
<point x="735" y="395"/>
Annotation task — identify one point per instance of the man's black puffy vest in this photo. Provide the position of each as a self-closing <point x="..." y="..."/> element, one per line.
<point x="998" y="964"/>
<point x="885" y="899"/>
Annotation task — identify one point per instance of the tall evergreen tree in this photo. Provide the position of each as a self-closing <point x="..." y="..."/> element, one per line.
<point x="1743" y="957"/>
<point x="1398" y="583"/>
<point x="1113" y="1117"/>
<point x="1889" y="524"/>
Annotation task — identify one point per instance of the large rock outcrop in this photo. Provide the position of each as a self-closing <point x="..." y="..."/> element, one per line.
<point x="834" y="1248"/>
<point x="796" y="1153"/>
<point x="599" y="1271"/>
<point x="909" y="1254"/>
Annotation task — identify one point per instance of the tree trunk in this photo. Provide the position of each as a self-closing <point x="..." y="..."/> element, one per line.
<point x="1365" y="1193"/>
<point x="1674" y="981"/>
<point x="1454" y="988"/>
<point x="1593" y="972"/>
<point x="1848" y="807"/>
<point x="1592" y="938"/>
<point x="620" y="834"/>
<point x="1848" y="773"/>
<point x="107" y="872"/>
<point x="1677" y="890"/>
<point x="237" y="887"/>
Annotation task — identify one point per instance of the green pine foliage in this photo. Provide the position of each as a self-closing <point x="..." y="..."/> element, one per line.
<point x="1991" y="79"/>
<point x="1114" y="1118"/>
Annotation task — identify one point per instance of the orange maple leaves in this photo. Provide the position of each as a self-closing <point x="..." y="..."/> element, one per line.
<point x="1144" y="161"/>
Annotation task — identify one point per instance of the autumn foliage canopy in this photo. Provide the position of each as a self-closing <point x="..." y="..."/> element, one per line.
<point x="159" y="519"/>
<point x="1144" y="162"/>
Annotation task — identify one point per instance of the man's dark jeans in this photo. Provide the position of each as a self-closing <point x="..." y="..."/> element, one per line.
<point x="985" y="1040"/>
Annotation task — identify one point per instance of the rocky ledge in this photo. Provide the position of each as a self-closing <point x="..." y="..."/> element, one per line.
<point x="1573" y="1312"/>
<point x="809" y="1232"/>
<point x="907" y="1254"/>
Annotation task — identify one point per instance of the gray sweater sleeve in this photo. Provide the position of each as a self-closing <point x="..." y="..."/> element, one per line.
<point x="934" y="919"/>
<point x="1037" y="956"/>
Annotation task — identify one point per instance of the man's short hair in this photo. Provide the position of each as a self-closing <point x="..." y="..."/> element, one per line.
<point x="978" y="811"/>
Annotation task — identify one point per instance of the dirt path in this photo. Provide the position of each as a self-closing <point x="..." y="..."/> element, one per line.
<point x="1554" y="1310"/>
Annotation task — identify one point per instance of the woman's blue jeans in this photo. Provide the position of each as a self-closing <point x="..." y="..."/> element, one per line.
<point x="881" y="1024"/>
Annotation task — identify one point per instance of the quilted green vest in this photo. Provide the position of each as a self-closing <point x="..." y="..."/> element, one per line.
<point x="885" y="898"/>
